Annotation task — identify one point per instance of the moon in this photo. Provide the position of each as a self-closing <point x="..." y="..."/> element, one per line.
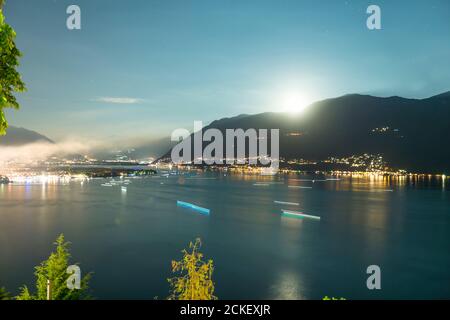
<point x="294" y="102"/>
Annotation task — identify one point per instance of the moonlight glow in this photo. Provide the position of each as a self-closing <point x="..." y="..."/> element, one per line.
<point x="294" y="102"/>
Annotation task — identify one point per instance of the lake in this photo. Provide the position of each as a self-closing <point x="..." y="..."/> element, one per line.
<point x="128" y="239"/>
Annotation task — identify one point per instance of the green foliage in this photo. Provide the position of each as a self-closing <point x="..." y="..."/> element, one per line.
<point x="55" y="270"/>
<point x="332" y="298"/>
<point x="4" y="295"/>
<point x="195" y="279"/>
<point x="10" y="79"/>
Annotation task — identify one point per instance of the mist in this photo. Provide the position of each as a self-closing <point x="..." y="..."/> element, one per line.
<point x="43" y="150"/>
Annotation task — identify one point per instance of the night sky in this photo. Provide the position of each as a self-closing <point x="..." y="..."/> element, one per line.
<point x="144" y="68"/>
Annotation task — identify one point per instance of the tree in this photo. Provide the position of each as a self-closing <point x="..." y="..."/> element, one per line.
<point x="10" y="79"/>
<point x="195" y="276"/>
<point x="4" y="295"/>
<point x="55" y="270"/>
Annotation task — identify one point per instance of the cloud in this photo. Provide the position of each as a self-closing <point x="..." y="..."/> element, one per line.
<point x="41" y="151"/>
<point x="119" y="100"/>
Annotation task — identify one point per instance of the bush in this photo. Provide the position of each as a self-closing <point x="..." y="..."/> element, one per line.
<point x="55" y="270"/>
<point x="195" y="276"/>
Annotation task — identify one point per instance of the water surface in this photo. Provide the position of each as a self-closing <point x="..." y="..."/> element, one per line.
<point x="129" y="239"/>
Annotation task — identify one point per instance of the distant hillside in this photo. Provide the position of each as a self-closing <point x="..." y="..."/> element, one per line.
<point x="154" y="148"/>
<point x="410" y="133"/>
<point x="19" y="136"/>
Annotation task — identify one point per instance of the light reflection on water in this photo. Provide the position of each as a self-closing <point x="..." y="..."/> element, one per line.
<point x="132" y="236"/>
<point x="288" y="286"/>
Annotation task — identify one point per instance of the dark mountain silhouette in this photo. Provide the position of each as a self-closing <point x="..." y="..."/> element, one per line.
<point x="411" y="134"/>
<point x="19" y="136"/>
<point x="442" y="95"/>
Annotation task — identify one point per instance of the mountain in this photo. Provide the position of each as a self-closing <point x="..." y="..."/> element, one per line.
<point x="410" y="134"/>
<point x="19" y="136"/>
<point x="444" y="95"/>
<point x="154" y="148"/>
<point x="141" y="149"/>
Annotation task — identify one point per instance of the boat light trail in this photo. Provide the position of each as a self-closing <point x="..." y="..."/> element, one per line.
<point x="297" y="214"/>
<point x="299" y="187"/>
<point x="287" y="203"/>
<point x="193" y="207"/>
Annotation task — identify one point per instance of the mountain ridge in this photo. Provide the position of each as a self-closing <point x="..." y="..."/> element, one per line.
<point x="407" y="132"/>
<point x="18" y="136"/>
